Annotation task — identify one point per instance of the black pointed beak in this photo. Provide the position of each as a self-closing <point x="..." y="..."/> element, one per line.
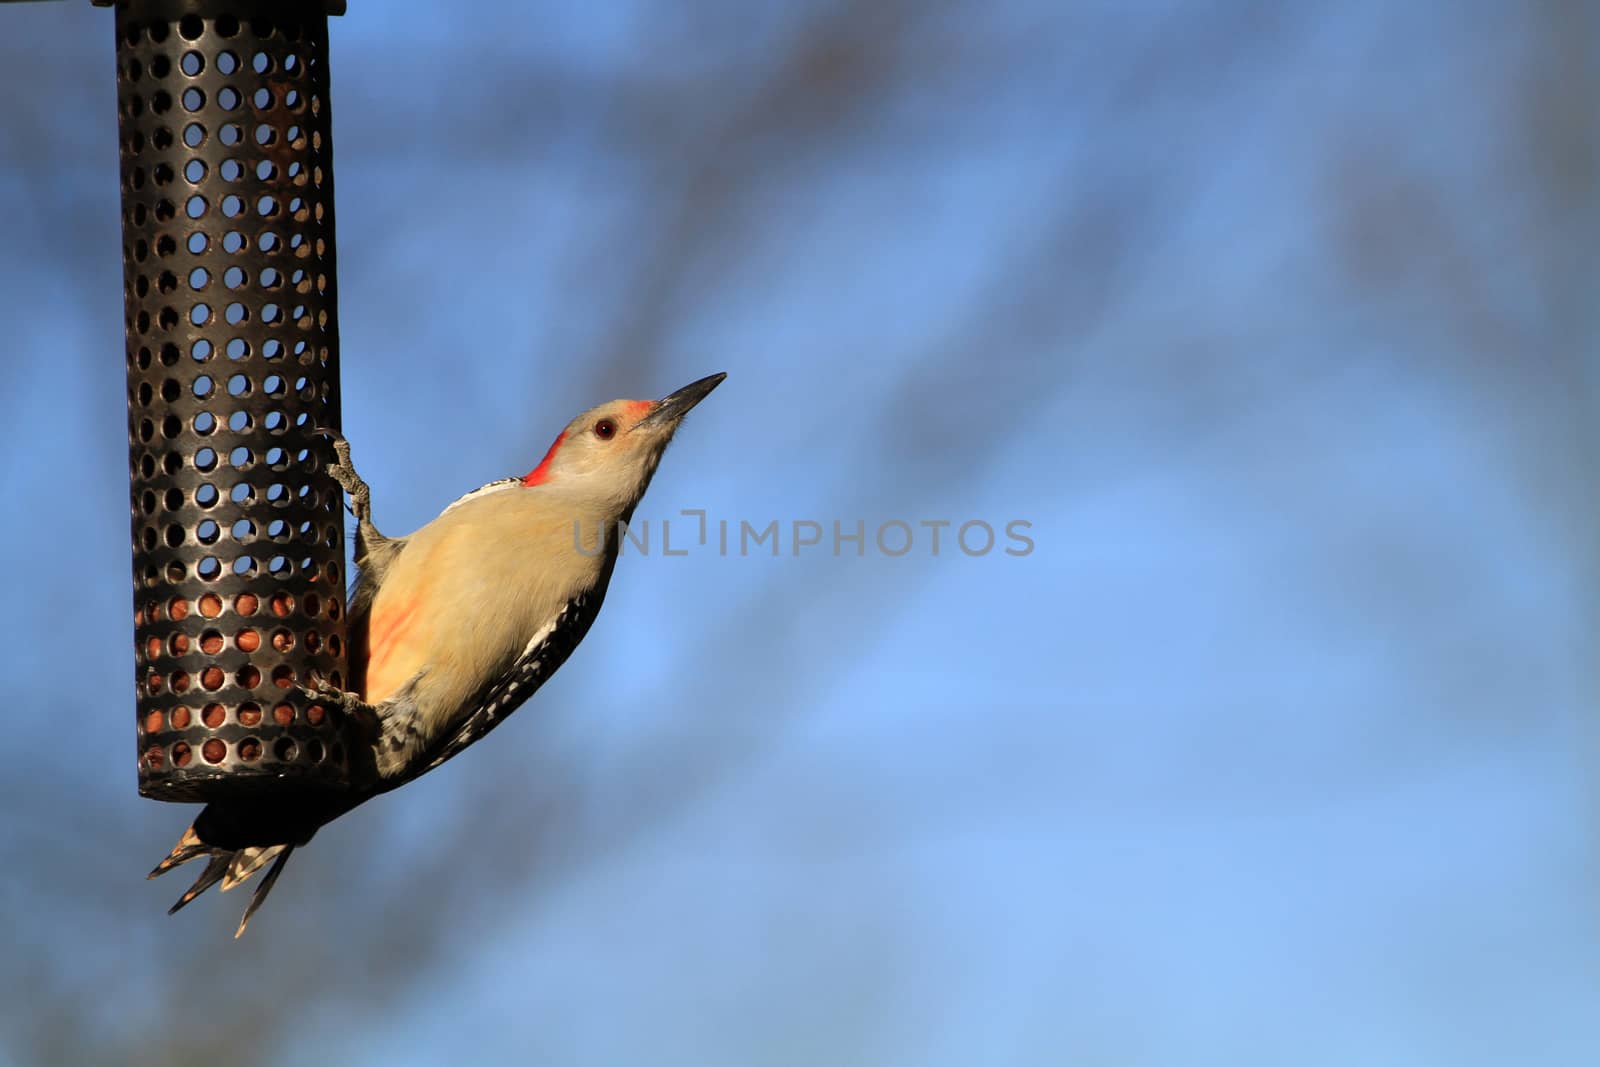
<point x="669" y="409"/>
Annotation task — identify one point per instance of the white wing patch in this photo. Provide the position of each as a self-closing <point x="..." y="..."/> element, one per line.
<point x="546" y="651"/>
<point x="538" y="639"/>
<point x="496" y="486"/>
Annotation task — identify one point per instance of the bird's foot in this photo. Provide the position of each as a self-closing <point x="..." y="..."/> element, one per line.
<point x="344" y="473"/>
<point x="321" y="691"/>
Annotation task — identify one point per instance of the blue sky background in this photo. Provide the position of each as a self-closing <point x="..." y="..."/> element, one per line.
<point x="1276" y="323"/>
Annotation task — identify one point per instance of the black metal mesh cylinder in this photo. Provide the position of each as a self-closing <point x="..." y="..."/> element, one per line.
<point x="232" y="357"/>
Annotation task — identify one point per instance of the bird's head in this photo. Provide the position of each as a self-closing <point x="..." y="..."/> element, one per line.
<point x="609" y="453"/>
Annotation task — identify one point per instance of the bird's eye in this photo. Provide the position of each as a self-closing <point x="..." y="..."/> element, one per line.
<point x="605" y="429"/>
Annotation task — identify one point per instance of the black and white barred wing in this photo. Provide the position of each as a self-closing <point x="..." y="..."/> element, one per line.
<point x="546" y="652"/>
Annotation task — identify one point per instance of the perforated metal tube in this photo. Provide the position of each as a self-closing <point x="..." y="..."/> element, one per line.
<point x="232" y="360"/>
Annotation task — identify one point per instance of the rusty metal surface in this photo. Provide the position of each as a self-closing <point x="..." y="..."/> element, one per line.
<point x="232" y="360"/>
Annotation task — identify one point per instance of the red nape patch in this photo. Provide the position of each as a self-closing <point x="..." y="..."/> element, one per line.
<point x="540" y="474"/>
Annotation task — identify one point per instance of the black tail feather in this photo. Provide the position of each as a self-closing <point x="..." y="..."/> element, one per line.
<point x="238" y="840"/>
<point x="215" y="869"/>
<point x="267" y="881"/>
<point x="180" y="855"/>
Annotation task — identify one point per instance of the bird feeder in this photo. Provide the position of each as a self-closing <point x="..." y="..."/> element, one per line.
<point x="232" y="363"/>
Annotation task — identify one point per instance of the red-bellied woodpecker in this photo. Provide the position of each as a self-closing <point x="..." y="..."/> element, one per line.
<point x="453" y="627"/>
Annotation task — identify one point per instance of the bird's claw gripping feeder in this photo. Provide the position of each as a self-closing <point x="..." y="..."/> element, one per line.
<point x="232" y="360"/>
